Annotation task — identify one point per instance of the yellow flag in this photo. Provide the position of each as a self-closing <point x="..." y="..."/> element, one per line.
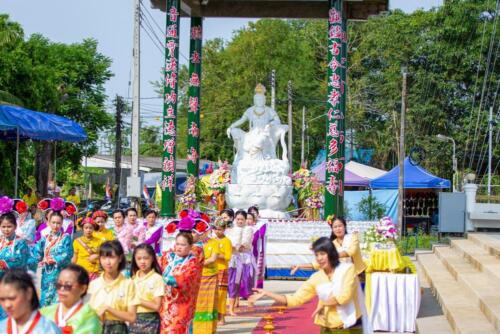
<point x="158" y="195"/>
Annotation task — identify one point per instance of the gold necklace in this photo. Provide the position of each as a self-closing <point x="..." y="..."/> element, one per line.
<point x="259" y="114"/>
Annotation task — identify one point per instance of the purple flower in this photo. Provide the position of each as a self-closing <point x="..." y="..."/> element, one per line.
<point x="6" y="204"/>
<point x="57" y="204"/>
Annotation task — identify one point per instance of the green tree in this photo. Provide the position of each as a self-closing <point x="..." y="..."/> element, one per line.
<point x="57" y="78"/>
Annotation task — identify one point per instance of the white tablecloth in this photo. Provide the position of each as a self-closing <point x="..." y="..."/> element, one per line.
<point x="395" y="302"/>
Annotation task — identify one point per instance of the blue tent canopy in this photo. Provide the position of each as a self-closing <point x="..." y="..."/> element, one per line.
<point x="38" y="125"/>
<point x="415" y="177"/>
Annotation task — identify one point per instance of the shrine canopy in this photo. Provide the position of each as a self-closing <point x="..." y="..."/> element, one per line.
<point x="350" y="179"/>
<point x="415" y="177"/>
<point x="38" y="125"/>
<point x="307" y="9"/>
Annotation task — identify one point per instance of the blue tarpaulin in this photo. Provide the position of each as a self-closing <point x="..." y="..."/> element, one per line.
<point x="386" y="197"/>
<point x="415" y="177"/>
<point x="38" y="126"/>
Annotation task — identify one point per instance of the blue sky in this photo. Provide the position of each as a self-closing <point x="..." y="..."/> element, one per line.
<point x="111" y="23"/>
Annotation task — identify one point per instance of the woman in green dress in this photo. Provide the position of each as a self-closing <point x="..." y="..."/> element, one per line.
<point x="71" y="314"/>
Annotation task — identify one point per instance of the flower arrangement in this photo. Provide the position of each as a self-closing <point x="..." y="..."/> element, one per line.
<point x="384" y="232"/>
<point x="220" y="177"/>
<point x="301" y="178"/>
<point x="314" y="202"/>
<point x="188" y="199"/>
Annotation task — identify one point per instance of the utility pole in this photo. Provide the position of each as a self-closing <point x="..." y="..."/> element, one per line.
<point x="490" y="143"/>
<point x="134" y="181"/>
<point x="302" y="159"/>
<point x="273" y="90"/>
<point x="120" y="105"/>
<point x="290" y="153"/>
<point x="402" y="152"/>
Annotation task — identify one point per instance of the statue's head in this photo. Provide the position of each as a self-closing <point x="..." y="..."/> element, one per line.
<point x="259" y="99"/>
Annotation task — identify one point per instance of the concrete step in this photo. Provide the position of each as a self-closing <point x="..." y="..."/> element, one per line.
<point x="485" y="288"/>
<point x="463" y="315"/>
<point x="490" y="242"/>
<point x="435" y="325"/>
<point x="480" y="258"/>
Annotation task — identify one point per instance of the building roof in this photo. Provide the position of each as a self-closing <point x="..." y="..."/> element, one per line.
<point x="146" y="164"/>
<point x="356" y="9"/>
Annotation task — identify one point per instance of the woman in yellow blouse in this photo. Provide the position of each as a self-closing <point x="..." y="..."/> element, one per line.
<point x="100" y="218"/>
<point x="225" y="252"/>
<point x="86" y="249"/>
<point x="112" y="295"/>
<point x="339" y="309"/>
<point x="347" y="246"/>
<point x="149" y="288"/>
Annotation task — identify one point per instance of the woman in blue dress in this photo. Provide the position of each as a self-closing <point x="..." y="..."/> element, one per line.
<point x="53" y="253"/>
<point x="13" y="250"/>
<point x="18" y="298"/>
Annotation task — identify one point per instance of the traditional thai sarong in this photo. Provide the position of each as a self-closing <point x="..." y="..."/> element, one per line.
<point x="205" y="318"/>
<point x="114" y="327"/>
<point x="146" y="323"/>
<point x="58" y="251"/>
<point x="182" y="282"/>
<point x="222" y="281"/>
<point x="259" y="252"/>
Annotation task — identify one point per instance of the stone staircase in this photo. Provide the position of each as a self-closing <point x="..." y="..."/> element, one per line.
<point x="465" y="278"/>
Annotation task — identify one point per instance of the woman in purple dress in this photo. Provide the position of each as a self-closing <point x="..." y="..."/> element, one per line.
<point x="258" y="243"/>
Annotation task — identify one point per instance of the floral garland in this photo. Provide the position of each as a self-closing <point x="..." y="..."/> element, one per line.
<point x="189" y="199"/>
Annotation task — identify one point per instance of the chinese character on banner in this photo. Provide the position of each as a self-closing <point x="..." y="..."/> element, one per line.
<point x="334" y="16"/>
<point x="194" y="80"/>
<point x="193" y="104"/>
<point x="342" y="137"/>
<point x="171" y="48"/>
<point x="195" y="57"/>
<point x="334" y="80"/>
<point x="164" y="183"/>
<point x="170" y="182"/>
<point x="171" y="98"/>
<point x="334" y="166"/>
<point x="172" y="31"/>
<point x="169" y="128"/>
<point x="194" y="130"/>
<point x="333" y="147"/>
<point x="335" y="49"/>
<point x="334" y="64"/>
<point x="332" y="130"/>
<point x="335" y="32"/>
<point x="192" y="155"/>
<point x="168" y="146"/>
<point x="168" y="164"/>
<point x="334" y="97"/>
<point x="332" y="185"/>
<point x="171" y="64"/>
<point x="170" y="112"/>
<point x="196" y="32"/>
<point x="171" y="80"/>
<point x="173" y="13"/>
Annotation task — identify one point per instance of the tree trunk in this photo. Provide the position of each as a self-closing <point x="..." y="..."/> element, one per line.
<point x="42" y="163"/>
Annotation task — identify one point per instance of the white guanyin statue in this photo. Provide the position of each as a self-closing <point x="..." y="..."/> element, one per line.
<point x="258" y="177"/>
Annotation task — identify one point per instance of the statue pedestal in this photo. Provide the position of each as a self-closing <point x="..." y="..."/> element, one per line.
<point x="264" y="183"/>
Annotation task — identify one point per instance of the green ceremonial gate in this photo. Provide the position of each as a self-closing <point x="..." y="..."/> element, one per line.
<point x="337" y="12"/>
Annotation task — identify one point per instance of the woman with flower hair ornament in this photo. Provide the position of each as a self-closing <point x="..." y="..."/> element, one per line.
<point x="13" y="249"/>
<point x="181" y="270"/>
<point x="347" y="246"/>
<point x="67" y="209"/>
<point x="52" y="252"/>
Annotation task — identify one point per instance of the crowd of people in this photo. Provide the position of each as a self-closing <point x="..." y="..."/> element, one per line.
<point x="116" y="276"/>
